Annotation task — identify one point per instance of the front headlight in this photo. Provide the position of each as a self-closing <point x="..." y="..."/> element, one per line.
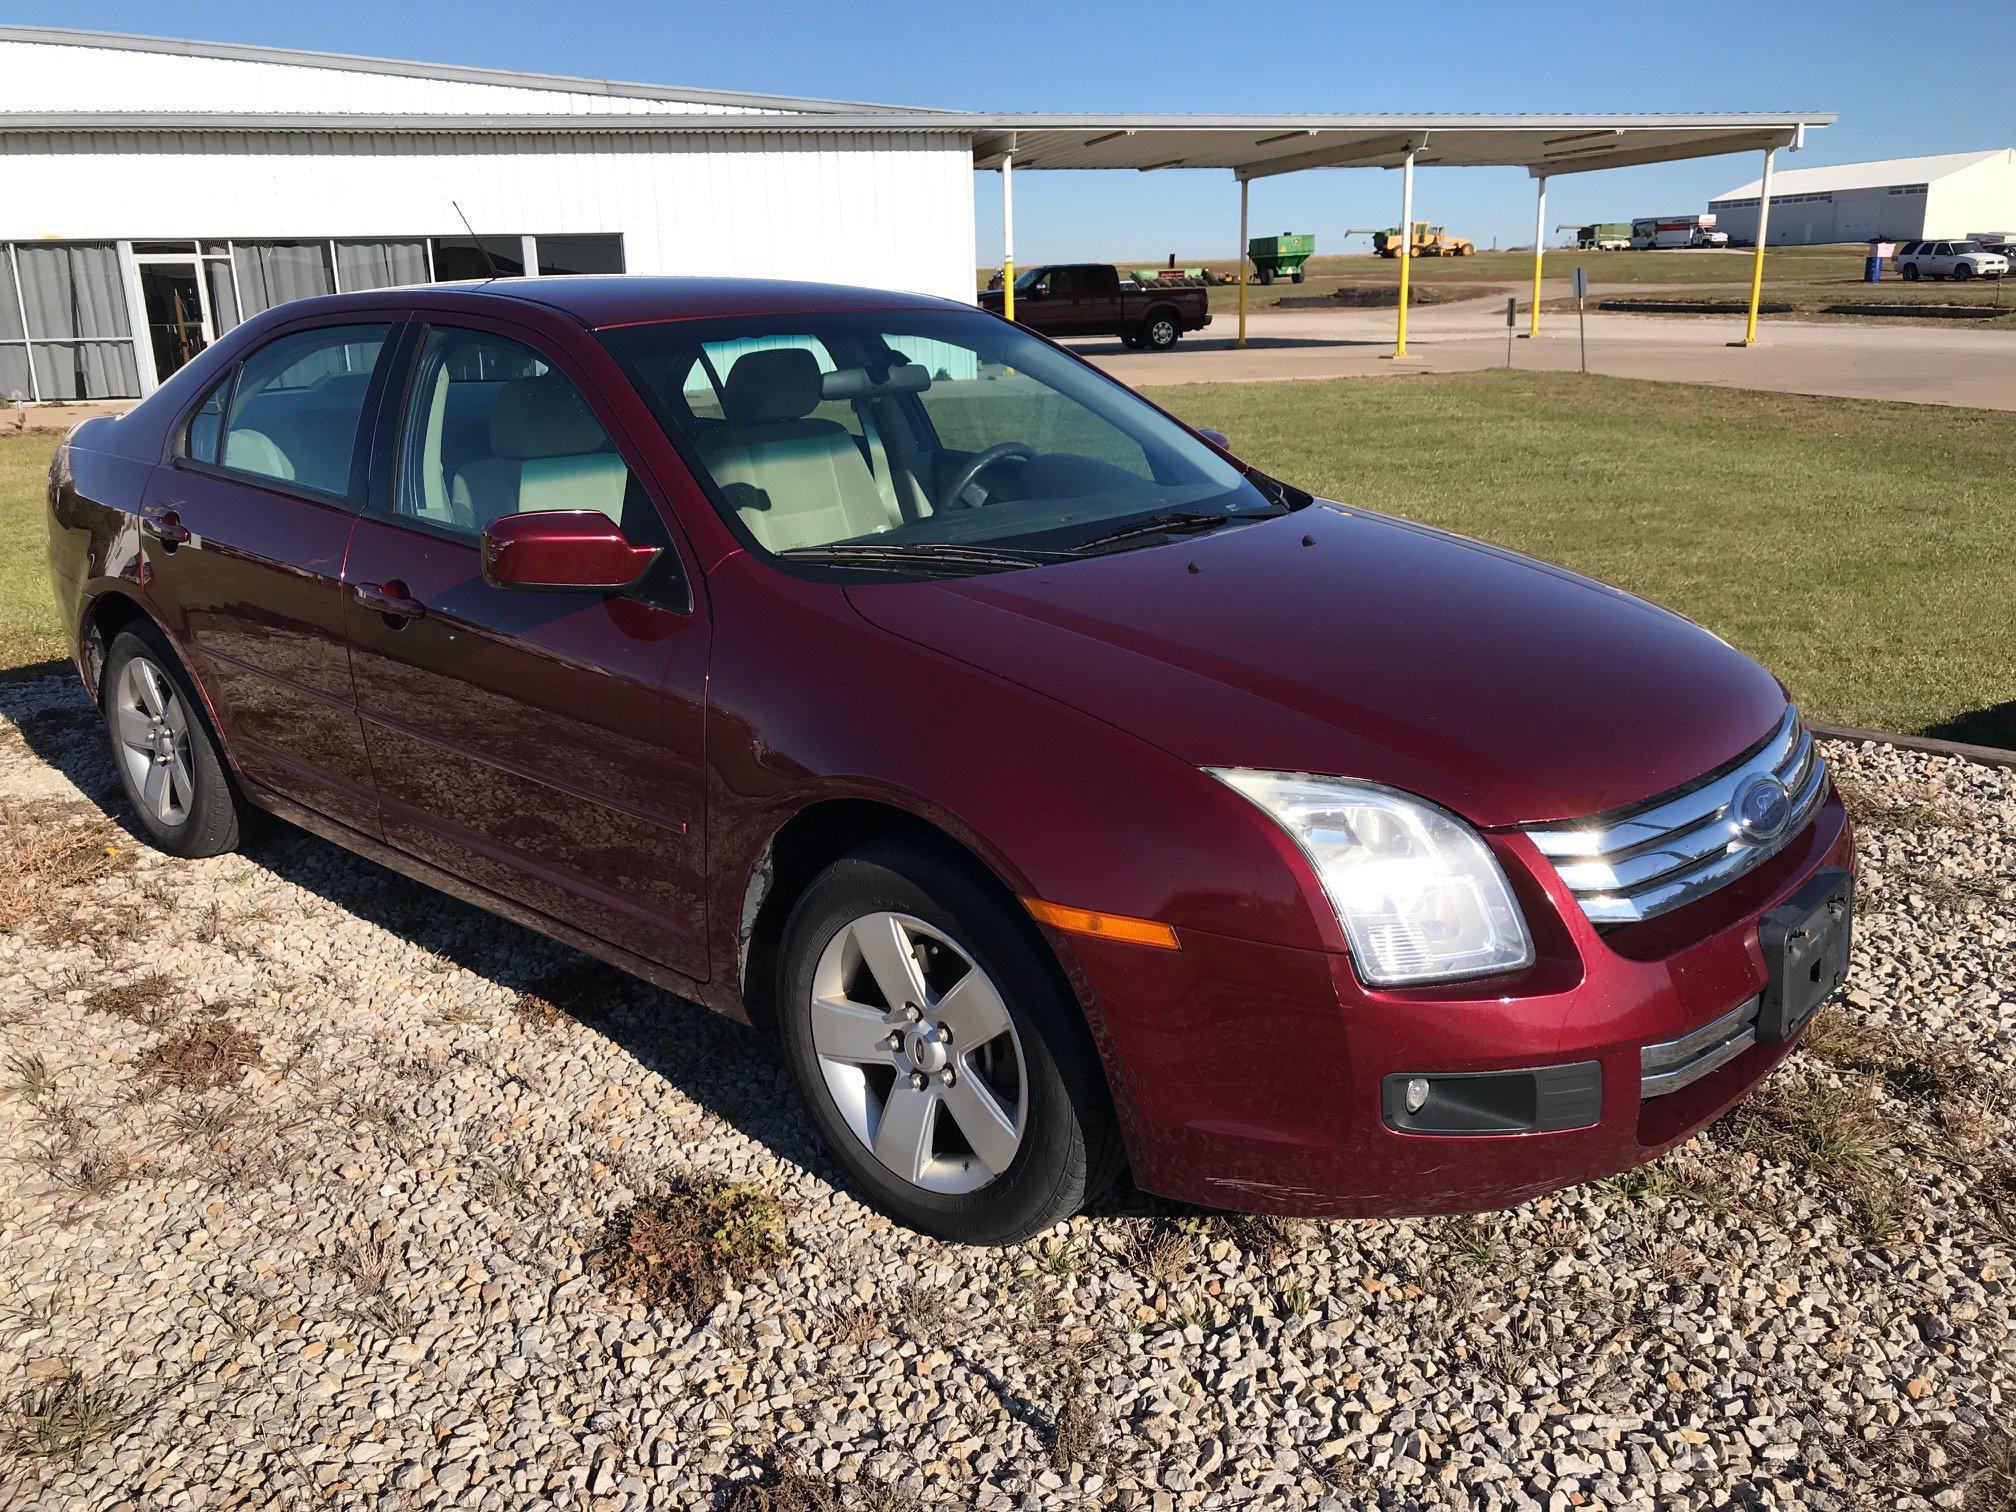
<point x="1420" y="896"/>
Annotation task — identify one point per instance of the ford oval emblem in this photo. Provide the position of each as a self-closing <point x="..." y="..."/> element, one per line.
<point x="1760" y="808"/>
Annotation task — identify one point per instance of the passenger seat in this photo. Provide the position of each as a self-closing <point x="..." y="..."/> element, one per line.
<point x="549" y="452"/>
<point x="792" y="480"/>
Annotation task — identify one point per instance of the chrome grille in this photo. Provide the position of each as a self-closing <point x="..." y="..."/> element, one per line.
<point x="1641" y="862"/>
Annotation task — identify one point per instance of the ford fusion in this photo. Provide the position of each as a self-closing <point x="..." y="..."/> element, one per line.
<point x="1064" y="796"/>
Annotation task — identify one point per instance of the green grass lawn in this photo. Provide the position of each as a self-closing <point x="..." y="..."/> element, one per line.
<point x="1863" y="551"/>
<point x="28" y="629"/>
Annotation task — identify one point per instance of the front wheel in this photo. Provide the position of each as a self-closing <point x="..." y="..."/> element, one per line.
<point x="1962" y="272"/>
<point x="938" y="1051"/>
<point x="167" y="757"/>
<point x="1910" y="272"/>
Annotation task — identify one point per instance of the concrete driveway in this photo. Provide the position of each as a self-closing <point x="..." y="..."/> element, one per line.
<point x="1916" y="364"/>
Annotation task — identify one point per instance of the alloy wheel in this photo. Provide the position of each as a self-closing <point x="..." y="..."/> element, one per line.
<point x="152" y="727"/>
<point x="920" y="1055"/>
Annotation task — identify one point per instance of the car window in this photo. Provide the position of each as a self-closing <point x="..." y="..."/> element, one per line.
<point x="206" y="426"/>
<point x="491" y="428"/>
<point x="978" y="433"/>
<point x="295" y="410"/>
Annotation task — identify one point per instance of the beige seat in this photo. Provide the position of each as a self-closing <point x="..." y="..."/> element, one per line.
<point x="550" y="453"/>
<point x="792" y="480"/>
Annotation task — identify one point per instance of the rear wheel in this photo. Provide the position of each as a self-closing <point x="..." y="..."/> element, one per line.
<point x="937" y="1051"/>
<point x="1160" y="331"/>
<point x="1296" y="275"/>
<point x="1266" y="276"/>
<point x="168" y="759"/>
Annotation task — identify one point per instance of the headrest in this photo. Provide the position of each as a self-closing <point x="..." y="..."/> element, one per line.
<point x="859" y="383"/>
<point x="780" y="383"/>
<point x="543" y="417"/>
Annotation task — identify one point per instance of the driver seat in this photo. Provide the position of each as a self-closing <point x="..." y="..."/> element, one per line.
<point x="792" y="480"/>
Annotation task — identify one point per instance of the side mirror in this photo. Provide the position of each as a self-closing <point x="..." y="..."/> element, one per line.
<point x="1215" y="437"/>
<point x="562" y="550"/>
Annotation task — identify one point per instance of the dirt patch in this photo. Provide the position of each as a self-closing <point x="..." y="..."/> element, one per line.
<point x="1384" y="296"/>
<point x="682" y="1247"/>
<point x="211" y="1053"/>
<point x="139" y="1001"/>
<point x="47" y="851"/>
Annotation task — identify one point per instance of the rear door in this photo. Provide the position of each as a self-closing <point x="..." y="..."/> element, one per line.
<point x="545" y="746"/>
<point x="1099" y="306"/>
<point x="246" y="533"/>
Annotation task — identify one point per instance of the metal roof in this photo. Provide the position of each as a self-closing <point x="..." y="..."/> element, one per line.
<point x="1252" y="146"/>
<point x="57" y="36"/>
<point x="1881" y="173"/>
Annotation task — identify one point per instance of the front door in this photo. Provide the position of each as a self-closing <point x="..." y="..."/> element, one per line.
<point x="247" y="530"/>
<point x="546" y="746"/>
<point x="178" y="325"/>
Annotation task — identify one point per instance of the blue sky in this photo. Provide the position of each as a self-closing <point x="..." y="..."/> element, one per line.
<point x="1904" y="79"/>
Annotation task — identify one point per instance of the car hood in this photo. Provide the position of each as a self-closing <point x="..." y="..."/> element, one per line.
<point x="1340" y="641"/>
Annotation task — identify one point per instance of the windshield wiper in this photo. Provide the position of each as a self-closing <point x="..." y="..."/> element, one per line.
<point x="1175" y="522"/>
<point x="908" y="556"/>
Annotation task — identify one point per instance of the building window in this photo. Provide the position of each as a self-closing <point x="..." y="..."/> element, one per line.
<point x="65" y="330"/>
<point x="271" y="273"/>
<point x="460" y="257"/>
<point x="580" y="253"/>
<point x="380" y="264"/>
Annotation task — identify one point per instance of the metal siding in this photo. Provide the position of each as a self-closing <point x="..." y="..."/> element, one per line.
<point x="49" y="76"/>
<point x="883" y="209"/>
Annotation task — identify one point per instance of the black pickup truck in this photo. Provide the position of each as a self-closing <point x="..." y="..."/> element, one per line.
<point x="1091" y="299"/>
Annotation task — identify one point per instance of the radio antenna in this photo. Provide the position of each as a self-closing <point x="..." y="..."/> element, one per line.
<point x="488" y="261"/>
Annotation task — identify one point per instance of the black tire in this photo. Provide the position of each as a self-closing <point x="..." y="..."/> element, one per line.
<point x="1266" y="276"/>
<point x="1296" y="276"/>
<point x="1909" y="272"/>
<point x="1159" y="332"/>
<point x="214" y="818"/>
<point x="1962" y="272"/>
<point x="1070" y="1150"/>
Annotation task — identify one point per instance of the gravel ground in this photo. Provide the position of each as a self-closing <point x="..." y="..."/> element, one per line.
<point x="319" y="1186"/>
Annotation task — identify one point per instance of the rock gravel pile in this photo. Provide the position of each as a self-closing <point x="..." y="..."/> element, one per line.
<point x="321" y="1188"/>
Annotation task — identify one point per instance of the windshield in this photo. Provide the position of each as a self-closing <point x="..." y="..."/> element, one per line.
<point x="915" y="432"/>
<point x="1968" y="246"/>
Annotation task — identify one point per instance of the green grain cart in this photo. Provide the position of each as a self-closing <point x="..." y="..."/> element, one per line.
<point x="1281" y="256"/>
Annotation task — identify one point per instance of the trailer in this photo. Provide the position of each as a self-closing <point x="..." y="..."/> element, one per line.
<point x="1281" y="256"/>
<point x="1601" y="236"/>
<point x="1661" y="231"/>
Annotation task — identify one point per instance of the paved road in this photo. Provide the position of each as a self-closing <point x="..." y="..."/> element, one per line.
<point x="1918" y="364"/>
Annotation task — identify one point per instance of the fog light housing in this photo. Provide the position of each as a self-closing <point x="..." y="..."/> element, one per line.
<point x="1541" y="1100"/>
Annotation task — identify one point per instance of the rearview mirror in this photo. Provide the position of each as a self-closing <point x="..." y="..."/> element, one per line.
<point x="1215" y="437"/>
<point x="562" y="550"/>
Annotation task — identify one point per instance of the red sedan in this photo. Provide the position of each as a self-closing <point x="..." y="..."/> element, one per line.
<point x="1061" y="792"/>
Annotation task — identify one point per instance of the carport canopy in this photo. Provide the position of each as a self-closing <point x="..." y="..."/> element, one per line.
<point x="1253" y="147"/>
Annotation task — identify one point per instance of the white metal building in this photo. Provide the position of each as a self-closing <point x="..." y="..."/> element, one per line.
<point x="159" y="191"/>
<point x="1950" y="195"/>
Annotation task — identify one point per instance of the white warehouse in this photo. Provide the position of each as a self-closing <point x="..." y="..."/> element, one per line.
<point x="160" y="191"/>
<point x="1951" y="195"/>
<point x="162" y="196"/>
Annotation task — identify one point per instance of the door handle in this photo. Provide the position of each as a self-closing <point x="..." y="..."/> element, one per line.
<point x="161" y="522"/>
<point x="389" y="599"/>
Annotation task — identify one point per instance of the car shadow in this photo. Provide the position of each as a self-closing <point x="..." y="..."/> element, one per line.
<point x="731" y="1070"/>
<point x="1993" y="726"/>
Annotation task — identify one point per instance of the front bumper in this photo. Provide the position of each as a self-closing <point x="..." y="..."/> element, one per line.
<point x="1265" y="1079"/>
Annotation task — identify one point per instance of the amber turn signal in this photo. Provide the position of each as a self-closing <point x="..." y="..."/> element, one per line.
<point x="1106" y="926"/>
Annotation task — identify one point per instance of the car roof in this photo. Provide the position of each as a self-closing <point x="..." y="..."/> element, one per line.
<point x="635" y="299"/>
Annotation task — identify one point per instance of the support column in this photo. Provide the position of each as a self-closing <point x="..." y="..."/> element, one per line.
<point x="1763" y="236"/>
<point x="1539" y="249"/>
<point x="1406" y="247"/>
<point x="1008" y="235"/>
<point x="1244" y="185"/>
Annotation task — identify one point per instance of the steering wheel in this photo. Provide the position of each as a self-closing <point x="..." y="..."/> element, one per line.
<point x="1000" y="452"/>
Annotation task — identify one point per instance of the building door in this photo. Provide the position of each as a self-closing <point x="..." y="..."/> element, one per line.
<point x="178" y="312"/>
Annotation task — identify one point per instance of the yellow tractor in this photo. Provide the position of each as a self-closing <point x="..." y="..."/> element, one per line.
<point x="1429" y="241"/>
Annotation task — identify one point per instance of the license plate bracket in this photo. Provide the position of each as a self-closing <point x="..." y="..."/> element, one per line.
<point x="1806" y="941"/>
